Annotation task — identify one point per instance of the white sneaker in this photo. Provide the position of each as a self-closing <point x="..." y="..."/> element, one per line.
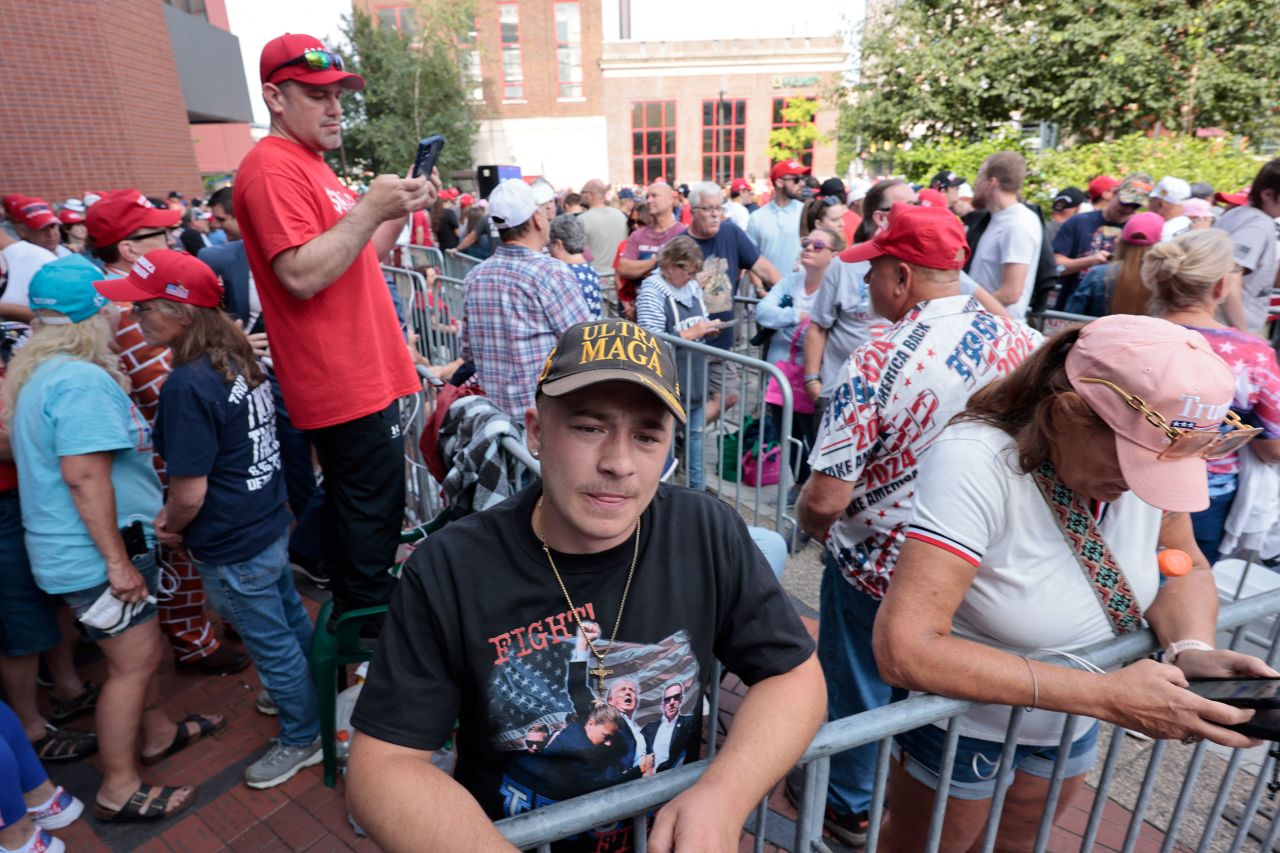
<point x="265" y="704"/>
<point x="40" y="842"/>
<point x="61" y="810"/>
<point x="281" y="763"/>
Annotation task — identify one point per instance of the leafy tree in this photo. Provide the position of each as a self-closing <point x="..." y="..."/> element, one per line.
<point x="414" y="86"/>
<point x="1098" y="68"/>
<point x="800" y="134"/>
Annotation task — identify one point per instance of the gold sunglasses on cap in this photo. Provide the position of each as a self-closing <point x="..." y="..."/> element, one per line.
<point x="1207" y="444"/>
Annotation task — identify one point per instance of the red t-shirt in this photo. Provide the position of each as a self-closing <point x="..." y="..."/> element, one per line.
<point x="339" y="355"/>
<point x="851" y="221"/>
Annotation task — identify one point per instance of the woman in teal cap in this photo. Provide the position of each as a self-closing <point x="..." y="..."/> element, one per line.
<point x="84" y="458"/>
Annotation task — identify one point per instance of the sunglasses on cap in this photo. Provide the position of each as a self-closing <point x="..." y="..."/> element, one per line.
<point x="829" y="200"/>
<point x="1183" y="443"/>
<point x="315" y="59"/>
<point x="814" y="243"/>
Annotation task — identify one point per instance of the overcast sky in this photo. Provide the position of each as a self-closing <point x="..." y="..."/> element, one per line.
<point x="256" y="22"/>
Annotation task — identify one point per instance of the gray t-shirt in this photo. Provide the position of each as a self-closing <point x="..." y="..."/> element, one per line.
<point x="843" y="308"/>
<point x="1013" y="237"/>
<point x="605" y="228"/>
<point x="1254" y="236"/>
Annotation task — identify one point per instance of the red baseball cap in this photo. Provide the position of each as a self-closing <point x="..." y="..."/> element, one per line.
<point x="119" y="213"/>
<point x="929" y="197"/>
<point x="466" y="199"/>
<point x="33" y="213"/>
<point x="926" y="236"/>
<point x="1102" y="184"/>
<point x="450" y="193"/>
<point x="737" y="185"/>
<point x="788" y="167"/>
<point x="10" y="202"/>
<point x="283" y="58"/>
<point x="166" y="274"/>
<point x="1238" y="199"/>
<point x="67" y="216"/>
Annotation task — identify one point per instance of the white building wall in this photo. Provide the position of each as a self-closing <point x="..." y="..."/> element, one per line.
<point x="567" y="151"/>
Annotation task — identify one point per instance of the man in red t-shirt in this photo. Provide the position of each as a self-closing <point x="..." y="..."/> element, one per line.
<point x="336" y="344"/>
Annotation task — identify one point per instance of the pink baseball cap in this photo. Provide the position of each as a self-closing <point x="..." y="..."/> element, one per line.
<point x="1143" y="229"/>
<point x="1175" y="373"/>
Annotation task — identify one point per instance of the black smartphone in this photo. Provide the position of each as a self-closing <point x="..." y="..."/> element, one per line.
<point x="428" y="152"/>
<point x="1259" y="693"/>
<point x="135" y="539"/>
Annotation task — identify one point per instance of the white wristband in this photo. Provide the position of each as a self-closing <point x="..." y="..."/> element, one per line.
<point x="1172" y="650"/>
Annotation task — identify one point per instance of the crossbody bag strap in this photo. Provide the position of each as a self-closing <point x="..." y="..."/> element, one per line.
<point x="1090" y="550"/>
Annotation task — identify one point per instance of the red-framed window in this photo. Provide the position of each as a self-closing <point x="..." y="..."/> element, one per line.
<point x="512" y="64"/>
<point x="653" y="141"/>
<point x="469" y="59"/>
<point x="402" y="18"/>
<point x="569" y="48"/>
<point x="724" y="139"/>
<point x="779" y="104"/>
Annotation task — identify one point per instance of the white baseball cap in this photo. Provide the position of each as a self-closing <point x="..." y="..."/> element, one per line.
<point x="964" y="191"/>
<point x="543" y="192"/>
<point x="858" y="188"/>
<point x="1172" y="190"/>
<point x="511" y="204"/>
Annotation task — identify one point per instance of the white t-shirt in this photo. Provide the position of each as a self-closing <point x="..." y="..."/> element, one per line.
<point x="1173" y="227"/>
<point x="1013" y="236"/>
<point x="23" y="259"/>
<point x="1030" y="592"/>
<point x="737" y="214"/>
<point x="893" y="399"/>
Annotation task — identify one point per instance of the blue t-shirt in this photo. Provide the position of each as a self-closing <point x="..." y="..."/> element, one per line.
<point x="70" y="407"/>
<point x="589" y="281"/>
<point x="724" y="258"/>
<point x="225" y="431"/>
<point x="1084" y="234"/>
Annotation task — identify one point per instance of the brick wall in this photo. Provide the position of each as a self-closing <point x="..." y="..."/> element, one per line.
<point x="92" y="100"/>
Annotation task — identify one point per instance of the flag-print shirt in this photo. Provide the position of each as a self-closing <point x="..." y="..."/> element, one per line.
<point x="892" y="399"/>
<point x="1256" y="399"/>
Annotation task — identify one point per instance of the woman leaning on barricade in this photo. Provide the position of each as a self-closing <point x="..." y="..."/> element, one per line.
<point x="1038" y="517"/>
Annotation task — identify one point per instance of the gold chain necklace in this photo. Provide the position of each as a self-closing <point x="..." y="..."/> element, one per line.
<point x="600" y="671"/>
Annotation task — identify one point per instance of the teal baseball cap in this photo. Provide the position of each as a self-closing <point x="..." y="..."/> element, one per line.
<point x="66" y="286"/>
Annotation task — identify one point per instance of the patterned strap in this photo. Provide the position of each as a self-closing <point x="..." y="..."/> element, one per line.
<point x="1090" y="550"/>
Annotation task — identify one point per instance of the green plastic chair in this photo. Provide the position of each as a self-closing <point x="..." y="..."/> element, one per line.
<point x="333" y="648"/>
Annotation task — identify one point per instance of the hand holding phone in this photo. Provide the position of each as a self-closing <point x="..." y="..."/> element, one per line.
<point x="428" y="153"/>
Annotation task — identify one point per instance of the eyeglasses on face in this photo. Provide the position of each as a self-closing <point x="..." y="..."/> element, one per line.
<point x="674" y="697"/>
<point x="710" y="208"/>
<point x="814" y="243"/>
<point x="1184" y="443"/>
<point x="315" y="59"/>
<point x="138" y="238"/>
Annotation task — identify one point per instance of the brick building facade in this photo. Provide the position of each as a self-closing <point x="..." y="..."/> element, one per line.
<point x="558" y="96"/>
<point x="93" y="100"/>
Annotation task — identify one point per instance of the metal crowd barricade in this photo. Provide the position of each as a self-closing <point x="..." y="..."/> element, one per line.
<point x="631" y="801"/>
<point x="1051" y="322"/>
<point x="419" y="258"/>
<point x="754" y="504"/>
<point x="457" y="265"/>
<point x="432" y="311"/>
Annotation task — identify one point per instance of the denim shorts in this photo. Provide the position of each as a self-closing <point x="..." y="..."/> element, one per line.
<point x="973" y="776"/>
<point x="28" y="614"/>
<point x="81" y="600"/>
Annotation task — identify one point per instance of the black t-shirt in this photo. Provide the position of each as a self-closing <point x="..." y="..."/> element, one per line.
<point x="479" y="632"/>
<point x="726" y="256"/>
<point x="447" y="234"/>
<point x="225" y="431"/>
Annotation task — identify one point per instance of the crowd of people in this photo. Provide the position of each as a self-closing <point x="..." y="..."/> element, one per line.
<point x="202" y="397"/>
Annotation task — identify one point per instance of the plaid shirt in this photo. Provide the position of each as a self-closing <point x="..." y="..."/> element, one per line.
<point x="518" y="303"/>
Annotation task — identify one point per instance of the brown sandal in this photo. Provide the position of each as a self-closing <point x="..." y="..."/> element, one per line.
<point x="65" y="744"/>
<point x="183" y="738"/>
<point x="138" y="809"/>
<point x="64" y="711"/>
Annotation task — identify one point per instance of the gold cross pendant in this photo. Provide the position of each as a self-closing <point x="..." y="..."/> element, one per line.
<point x="600" y="672"/>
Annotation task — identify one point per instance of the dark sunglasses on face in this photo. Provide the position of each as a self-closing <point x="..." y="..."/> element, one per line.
<point x="818" y="243"/>
<point x="674" y="697"/>
<point x="147" y="236"/>
<point x="316" y="60"/>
